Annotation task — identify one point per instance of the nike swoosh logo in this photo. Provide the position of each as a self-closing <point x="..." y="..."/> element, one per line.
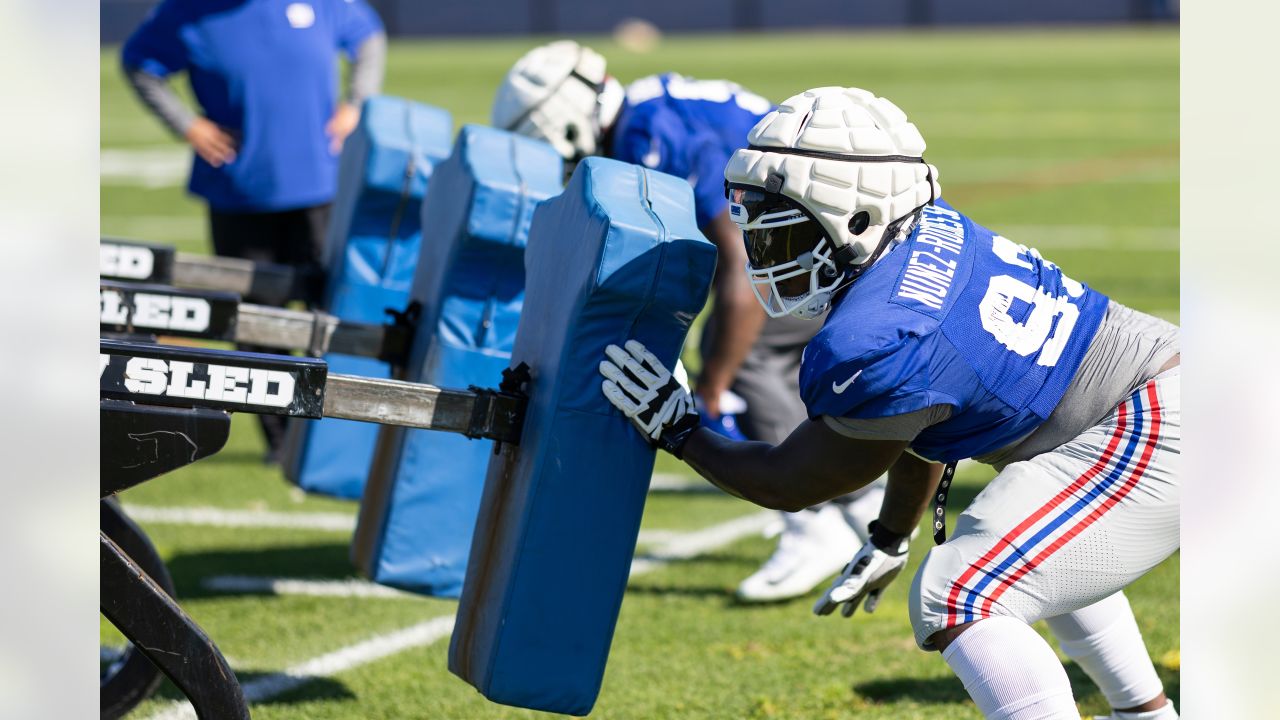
<point x="841" y="387"/>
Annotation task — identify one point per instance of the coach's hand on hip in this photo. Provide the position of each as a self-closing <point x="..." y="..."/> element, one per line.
<point x="211" y="142"/>
<point x="639" y="385"/>
<point x="340" y="125"/>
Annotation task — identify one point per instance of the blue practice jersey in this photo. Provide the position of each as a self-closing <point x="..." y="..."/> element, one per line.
<point x="687" y="128"/>
<point x="956" y="315"/>
<point x="266" y="70"/>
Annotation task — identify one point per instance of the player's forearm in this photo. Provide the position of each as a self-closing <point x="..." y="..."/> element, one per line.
<point x="368" y="66"/>
<point x="912" y="482"/>
<point x="745" y="470"/>
<point x="159" y="98"/>
<point x="811" y="466"/>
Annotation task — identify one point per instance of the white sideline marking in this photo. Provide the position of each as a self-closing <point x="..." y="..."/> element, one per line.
<point x="219" y="517"/>
<point x="149" y="167"/>
<point x="672" y="545"/>
<point x="692" y="544"/>
<point x="674" y="482"/>
<point x="652" y="537"/>
<point x="351" y="587"/>
<point x="683" y="547"/>
<point x="338" y="522"/>
<point x="329" y="664"/>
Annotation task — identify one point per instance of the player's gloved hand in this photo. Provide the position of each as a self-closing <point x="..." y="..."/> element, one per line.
<point x="867" y="574"/>
<point x="639" y="385"/>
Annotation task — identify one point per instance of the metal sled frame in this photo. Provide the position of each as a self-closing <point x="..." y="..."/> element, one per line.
<point x="141" y="442"/>
<point x="133" y="261"/>
<point x="134" y="309"/>
<point x="165" y="407"/>
<point x="301" y="387"/>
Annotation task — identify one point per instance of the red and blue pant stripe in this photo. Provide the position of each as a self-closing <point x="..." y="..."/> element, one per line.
<point x="982" y="583"/>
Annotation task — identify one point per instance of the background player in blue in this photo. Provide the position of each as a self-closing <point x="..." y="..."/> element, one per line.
<point x="266" y="142"/>
<point x="947" y="341"/>
<point x="689" y="128"/>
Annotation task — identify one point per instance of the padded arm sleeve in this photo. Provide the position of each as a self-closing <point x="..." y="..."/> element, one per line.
<point x="367" y="69"/>
<point x="161" y="100"/>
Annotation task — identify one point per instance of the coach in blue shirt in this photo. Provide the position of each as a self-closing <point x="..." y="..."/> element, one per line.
<point x="271" y="125"/>
<point x="265" y="75"/>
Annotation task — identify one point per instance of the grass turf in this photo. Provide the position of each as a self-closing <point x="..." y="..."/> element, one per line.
<point x="1068" y="137"/>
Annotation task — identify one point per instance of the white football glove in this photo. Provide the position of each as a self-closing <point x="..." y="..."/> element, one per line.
<point x="864" y="578"/>
<point x="639" y="385"/>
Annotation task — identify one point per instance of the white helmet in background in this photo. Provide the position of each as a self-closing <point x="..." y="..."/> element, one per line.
<point x="559" y="93"/>
<point x="828" y="181"/>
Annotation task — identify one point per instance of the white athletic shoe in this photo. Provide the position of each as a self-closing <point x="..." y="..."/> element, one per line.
<point x="1165" y="713"/>
<point x="814" y="545"/>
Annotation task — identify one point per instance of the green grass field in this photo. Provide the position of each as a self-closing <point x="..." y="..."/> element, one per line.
<point x="1066" y="141"/>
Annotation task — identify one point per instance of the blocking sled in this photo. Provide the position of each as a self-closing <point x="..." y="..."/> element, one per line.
<point x="617" y="256"/>
<point x="372" y="252"/>
<point x="423" y="491"/>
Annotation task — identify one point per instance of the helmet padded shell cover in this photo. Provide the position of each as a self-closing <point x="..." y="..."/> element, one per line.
<point x="540" y="97"/>
<point x="832" y="122"/>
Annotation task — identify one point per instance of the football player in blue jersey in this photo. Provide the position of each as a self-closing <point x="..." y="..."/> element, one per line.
<point x="945" y="341"/>
<point x="689" y="128"/>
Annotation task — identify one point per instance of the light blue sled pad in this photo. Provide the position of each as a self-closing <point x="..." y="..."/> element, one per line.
<point x="617" y="256"/>
<point x="371" y="254"/>
<point x="420" y="503"/>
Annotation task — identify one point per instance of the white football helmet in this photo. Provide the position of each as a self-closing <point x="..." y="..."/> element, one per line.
<point x="828" y="181"/>
<point x="559" y="93"/>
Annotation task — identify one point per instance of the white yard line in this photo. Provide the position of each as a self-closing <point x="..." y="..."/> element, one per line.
<point x="682" y="547"/>
<point x="674" y="482"/>
<point x="671" y="545"/>
<point x="657" y="535"/>
<point x="328" y="665"/>
<point x="690" y="545"/>
<point x="349" y="587"/>
<point x="337" y="522"/>
<point x="149" y="167"/>
<point x="219" y="517"/>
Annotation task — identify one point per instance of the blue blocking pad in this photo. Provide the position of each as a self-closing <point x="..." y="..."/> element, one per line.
<point x="617" y="256"/>
<point x="371" y="254"/>
<point x="423" y="493"/>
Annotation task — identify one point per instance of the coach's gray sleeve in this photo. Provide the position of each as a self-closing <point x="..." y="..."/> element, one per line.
<point x="155" y="93"/>
<point x="367" y="69"/>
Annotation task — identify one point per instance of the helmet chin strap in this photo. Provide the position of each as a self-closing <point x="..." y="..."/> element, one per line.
<point x="820" y="301"/>
<point x="844" y="256"/>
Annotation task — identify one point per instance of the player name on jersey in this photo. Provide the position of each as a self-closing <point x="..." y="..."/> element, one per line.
<point x="934" y="257"/>
<point x="210" y="378"/>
